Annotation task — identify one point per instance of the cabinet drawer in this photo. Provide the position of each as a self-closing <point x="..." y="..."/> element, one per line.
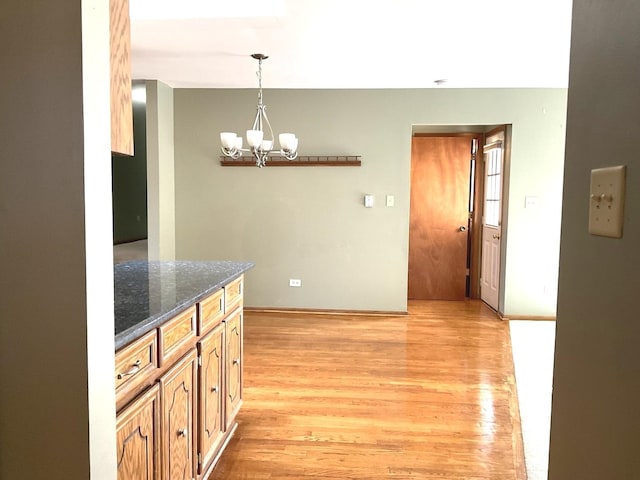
<point x="233" y="294"/>
<point x="177" y="335"/>
<point x="135" y="364"/>
<point x="211" y="312"/>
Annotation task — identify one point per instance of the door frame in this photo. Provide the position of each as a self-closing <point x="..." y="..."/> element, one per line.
<point x="475" y="223"/>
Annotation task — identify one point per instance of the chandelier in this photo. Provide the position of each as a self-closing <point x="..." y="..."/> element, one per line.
<point x="260" y="147"/>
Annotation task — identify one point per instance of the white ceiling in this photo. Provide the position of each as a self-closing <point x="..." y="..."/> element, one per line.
<point x="352" y="43"/>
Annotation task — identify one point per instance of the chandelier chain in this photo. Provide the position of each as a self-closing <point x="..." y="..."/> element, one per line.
<point x="259" y="74"/>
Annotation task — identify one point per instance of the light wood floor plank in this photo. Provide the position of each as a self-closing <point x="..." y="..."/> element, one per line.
<point x="429" y="395"/>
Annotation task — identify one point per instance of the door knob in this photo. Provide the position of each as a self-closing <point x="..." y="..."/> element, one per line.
<point x="496" y="236"/>
<point x="462" y="228"/>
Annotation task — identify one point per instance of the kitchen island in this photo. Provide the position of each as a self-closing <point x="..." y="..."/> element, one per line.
<point x="178" y="372"/>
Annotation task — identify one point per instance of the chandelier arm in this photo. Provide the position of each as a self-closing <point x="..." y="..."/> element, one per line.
<point x="264" y="112"/>
<point x="256" y="121"/>
<point x="234" y="153"/>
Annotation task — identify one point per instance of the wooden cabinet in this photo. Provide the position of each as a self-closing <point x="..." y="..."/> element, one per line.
<point x="120" y="73"/>
<point x="211" y="311"/>
<point x="135" y="365"/>
<point x="233" y="339"/>
<point x="211" y="426"/>
<point x="191" y="368"/>
<point x="137" y="432"/>
<point x="233" y="294"/>
<point x="176" y="336"/>
<point x="177" y="389"/>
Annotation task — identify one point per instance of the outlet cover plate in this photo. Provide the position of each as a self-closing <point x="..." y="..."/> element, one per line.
<point x="606" y="201"/>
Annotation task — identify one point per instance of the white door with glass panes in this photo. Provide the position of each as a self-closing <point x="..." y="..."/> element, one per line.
<point x="491" y="220"/>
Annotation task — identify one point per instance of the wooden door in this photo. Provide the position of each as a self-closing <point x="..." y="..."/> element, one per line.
<point x="439" y="218"/>
<point x="210" y="417"/>
<point x="138" y="439"/>
<point x="233" y="353"/>
<point x="492" y="220"/>
<point x="178" y="398"/>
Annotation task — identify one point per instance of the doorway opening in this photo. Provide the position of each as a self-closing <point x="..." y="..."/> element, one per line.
<point x="447" y="211"/>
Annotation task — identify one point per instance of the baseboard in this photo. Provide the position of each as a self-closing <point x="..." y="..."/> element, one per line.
<point x="322" y="311"/>
<point x="510" y="317"/>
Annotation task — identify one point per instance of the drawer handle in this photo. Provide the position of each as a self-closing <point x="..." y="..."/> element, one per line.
<point x="214" y="389"/>
<point x="132" y="371"/>
<point x="236" y="361"/>
<point x="182" y="432"/>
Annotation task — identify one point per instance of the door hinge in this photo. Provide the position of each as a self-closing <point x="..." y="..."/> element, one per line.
<point x="199" y="458"/>
<point x="470" y="215"/>
<point x="199" y="360"/>
<point x="468" y="272"/>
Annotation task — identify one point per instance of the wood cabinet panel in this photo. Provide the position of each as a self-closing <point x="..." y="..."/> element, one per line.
<point x="137" y="433"/>
<point x="177" y="335"/>
<point x="233" y="294"/>
<point x="135" y="365"/>
<point x="233" y="364"/>
<point x="210" y="403"/>
<point x="211" y="312"/>
<point x="178" y="407"/>
<point x="120" y="61"/>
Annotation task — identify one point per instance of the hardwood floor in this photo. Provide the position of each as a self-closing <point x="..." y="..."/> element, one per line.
<point x="430" y="395"/>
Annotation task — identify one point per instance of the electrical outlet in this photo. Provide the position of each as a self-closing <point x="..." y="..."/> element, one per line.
<point x="295" y="282"/>
<point x="606" y="201"/>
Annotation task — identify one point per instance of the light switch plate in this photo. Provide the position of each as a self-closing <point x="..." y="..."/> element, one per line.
<point x="530" y="201"/>
<point x="391" y="200"/>
<point x="606" y="201"/>
<point x="368" y="201"/>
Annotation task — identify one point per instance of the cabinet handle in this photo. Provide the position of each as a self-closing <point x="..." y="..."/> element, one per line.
<point x="214" y="389"/>
<point x="182" y="432"/>
<point x="133" y="370"/>
<point x="236" y="361"/>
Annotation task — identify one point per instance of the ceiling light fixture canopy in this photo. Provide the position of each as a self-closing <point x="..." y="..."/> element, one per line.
<point x="259" y="146"/>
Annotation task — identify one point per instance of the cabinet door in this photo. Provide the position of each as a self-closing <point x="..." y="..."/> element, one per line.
<point x="121" y="104"/>
<point x="178" y="397"/>
<point x="233" y="353"/>
<point x="210" y="418"/>
<point x="138" y="439"/>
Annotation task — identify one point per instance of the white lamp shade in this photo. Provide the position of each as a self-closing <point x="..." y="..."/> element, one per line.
<point x="286" y="140"/>
<point x="294" y="144"/>
<point x="254" y="138"/>
<point x="228" y="139"/>
<point x="238" y="143"/>
<point x="266" y="145"/>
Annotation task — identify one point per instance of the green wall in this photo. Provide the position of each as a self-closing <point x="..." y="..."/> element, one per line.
<point x="130" y="185"/>
<point x="595" y="419"/>
<point x="309" y="223"/>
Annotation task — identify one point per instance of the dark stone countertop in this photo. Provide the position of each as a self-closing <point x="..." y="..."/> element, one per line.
<point x="149" y="293"/>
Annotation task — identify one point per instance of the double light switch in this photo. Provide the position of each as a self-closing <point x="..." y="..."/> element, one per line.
<point x="606" y="201"/>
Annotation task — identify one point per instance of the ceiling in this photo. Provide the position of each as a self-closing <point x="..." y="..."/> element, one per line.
<point x="352" y="43"/>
